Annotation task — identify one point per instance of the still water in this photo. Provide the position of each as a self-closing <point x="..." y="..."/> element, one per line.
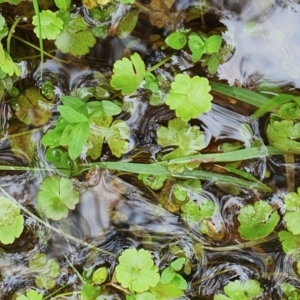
<point x="116" y="211"/>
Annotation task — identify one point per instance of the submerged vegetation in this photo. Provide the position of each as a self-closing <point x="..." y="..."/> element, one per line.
<point x="80" y="142"/>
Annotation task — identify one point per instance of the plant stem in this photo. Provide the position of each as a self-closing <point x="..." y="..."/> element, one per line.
<point x="162" y="62"/>
<point x="60" y="232"/>
<point x="37" y="13"/>
<point x="39" y="49"/>
<point x="11" y="31"/>
<point x="19" y="134"/>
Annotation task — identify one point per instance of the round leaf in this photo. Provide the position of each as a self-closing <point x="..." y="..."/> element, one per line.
<point x="176" y="40"/>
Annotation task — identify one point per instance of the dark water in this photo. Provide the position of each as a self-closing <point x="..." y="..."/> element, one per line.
<point x="117" y="212"/>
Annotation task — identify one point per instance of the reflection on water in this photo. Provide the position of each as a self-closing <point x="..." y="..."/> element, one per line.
<point x="266" y="43"/>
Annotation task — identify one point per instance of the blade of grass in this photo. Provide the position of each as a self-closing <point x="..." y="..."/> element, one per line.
<point x="241" y="94"/>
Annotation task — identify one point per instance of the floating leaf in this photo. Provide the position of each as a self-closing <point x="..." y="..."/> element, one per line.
<point x="11" y="221"/>
<point x="127" y="23"/>
<point x="136" y="270"/>
<point x="290" y="242"/>
<point x="90" y="292"/>
<point x="188" y="139"/>
<point x="241" y="291"/>
<point x="117" y="137"/>
<point x="31" y="295"/>
<point x="47" y="270"/>
<point x="155" y="182"/>
<point x="128" y="74"/>
<point x="100" y="275"/>
<point x="176" y="40"/>
<point x="292" y="205"/>
<point x="166" y="291"/>
<point x="33" y="108"/>
<point x="56" y="196"/>
<point x="257" y="221"/>
<point x="51" y="25"/>
<point x="192" y="212"/>
<point x="77" y="39"/>
<point x="282" y="135"/>
<point x="189" y="97"/>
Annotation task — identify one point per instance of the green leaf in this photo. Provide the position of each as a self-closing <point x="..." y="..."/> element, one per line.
<point x="167" y="275"/>
<point x="33" y="108"/>
<point x="213" y="44"/>
<point x="166" y="291"/>
<point x="136" y="270"/>
<point x="98" y="125"/>
<point x="144" y="296"/>
<point x="50" y="24"/>
<point x="78" y="137"/>
<point x="47" y="270"/>
<point x="179" y="281"/>
<point x="3" y="27"/>
<point x="290" y="291"/>
<point x="63" y="4"/>
<point x="72" y="102"/>
<point x="192" y="212"/>
<point x="31" y="295"/>
<point x="290" y="242"/>
<point x="155" y="182"/>
<point x="282" y="136"/>
<point x="213" y="63"/>
<point x="197" y="46"/>
<point x="291" y="218"/>
<point x="11" y="221"/>
<point x="100" y="275"/>
<point x="53" y="136"/>
<point x="176" y="40"/>
<point x="188" y="139"/>
<point x="71" y="115"/>
<point x="257" y="221"/>
<point x="77" y="39"/>
<point x="117" y="137"/>
<point x="178" y="263"/>
<point x="189" y="97"/>
<point x="110" y="108"/>
<point x="127" y="1"/>
<point x="237" y="290"/>
<point x="151" y="82"/>
<point x="90" y="292"/>
<point x="56" y="196"/>
<point x="128" y="74"/>
<point x="127" y="23"/>
<point x="7" y="65"/>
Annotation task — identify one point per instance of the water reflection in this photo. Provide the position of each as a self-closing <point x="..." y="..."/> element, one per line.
<point x="266" y="43"/>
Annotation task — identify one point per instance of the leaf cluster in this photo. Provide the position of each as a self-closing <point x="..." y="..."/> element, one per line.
<point x="137" y="272"/>
<point x="86" y="124"/>
<point x="257" y="221"/>
<point x="30" y="295"/>
<point x="47" y="270"/>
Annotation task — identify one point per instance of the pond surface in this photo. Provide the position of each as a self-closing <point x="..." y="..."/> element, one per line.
<point x="117" y="210"/>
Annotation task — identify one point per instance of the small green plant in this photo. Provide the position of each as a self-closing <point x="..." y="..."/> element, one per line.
<point x="189" y="97"/>
<point x="31" y="295"/>
<point x="188" y="139"/>
<point x="56" y="196"/>
<point x="238" y="290"/>
<point x="87" y="124"/>
<point x="257" y="221"/>
<point x="170" y="275"/>
<point x="291" y="217"/>
<point x="290" y="292"/>
<point x="128" y="74"/>
<point x="136" y="270"/>
<point x="47" y="270"/>
<point x="290" y="243"/>
<point x="11" y="221"/>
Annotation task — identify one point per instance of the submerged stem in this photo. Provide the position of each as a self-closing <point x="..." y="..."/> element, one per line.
<point x="162" y="62"/>
<point x="11" y="31"/>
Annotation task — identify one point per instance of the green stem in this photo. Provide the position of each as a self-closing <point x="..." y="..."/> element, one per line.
<point x="160" y="63"/>
<point x="66" y="294"/>
<point x="60" y="232"/>
<point x="11" y="31"/>
<point x="42" y="51"/>
<point x="37" y="13"/>
<point x="55" y="292"/>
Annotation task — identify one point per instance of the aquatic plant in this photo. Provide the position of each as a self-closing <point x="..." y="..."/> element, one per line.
<point x="11" y="221"/>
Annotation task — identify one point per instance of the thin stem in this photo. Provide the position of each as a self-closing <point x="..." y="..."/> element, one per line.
<point x="37" y="13"/>
<point x="60" y="232"/>
<point x="160" y="63"/>
<point x="11" y="31"/>
<point x="55" y="292"/>
<point x="39" y="49"/>
<point x="289" y="160"/>
<point x="19" y="134"/>
<point x="66" y="294"/>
